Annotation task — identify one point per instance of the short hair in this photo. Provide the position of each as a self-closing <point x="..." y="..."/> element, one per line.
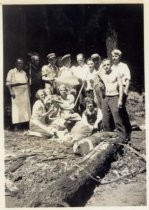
<point x="34" y="56"/>
<point x="80" y="54"/>
<point x="106" y="59"/>
<point x="21" y="59"/>
<point x="50" y="89"/>
<point x="62" y="87"/>
<point x="96" y="56"/>
<point x="89" y="59"/>
<point x="116" y="51"/>
<point x="37" y="93"/>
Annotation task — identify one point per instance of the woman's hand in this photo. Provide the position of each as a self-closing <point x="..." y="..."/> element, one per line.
<point x="13" y="95"/>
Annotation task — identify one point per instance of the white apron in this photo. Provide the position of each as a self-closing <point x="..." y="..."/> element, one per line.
<point x="21" y="110"/>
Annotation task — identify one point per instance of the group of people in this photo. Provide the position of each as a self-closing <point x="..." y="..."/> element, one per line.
<point x="60" y="99"/>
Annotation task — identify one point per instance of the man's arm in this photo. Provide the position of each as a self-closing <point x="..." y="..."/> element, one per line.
<point x="84" y="120"/>
<point x="120" y="91"/>
<point x="44" y="75"/>
<point x="126" y="89"/>
<point x="99" y="118"/>
<point x="127" y="78"/>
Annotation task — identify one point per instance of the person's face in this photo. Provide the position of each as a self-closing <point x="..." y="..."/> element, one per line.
<point x="90" y="107"/>
<point x="19" y="64"/>
<point x="97" y="62"/>
<point x="67" y="62"/>
<point x="80" y="60"/>
<point x="63" y="91"/>
<point x="115" y="58"/>
<point x="36" y="61"/>
<point x="41" y="95"/>
<point x="48" y="92"/>
<point x="106" y="65"/>
<point x="52" y="61"/>
<point x="91" y="64"/>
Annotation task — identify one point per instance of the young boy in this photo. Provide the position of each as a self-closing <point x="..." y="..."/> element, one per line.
<point x="92" y="117"/>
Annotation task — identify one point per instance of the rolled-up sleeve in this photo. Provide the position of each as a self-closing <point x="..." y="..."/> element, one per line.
<point x="44" y="71"/>
<point x="127" y="74"/>
<point x="9" y="77"/>
<point x="99" y="117"/>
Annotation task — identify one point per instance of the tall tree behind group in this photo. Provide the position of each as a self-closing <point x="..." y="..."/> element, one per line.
<point x="111" y="38"/>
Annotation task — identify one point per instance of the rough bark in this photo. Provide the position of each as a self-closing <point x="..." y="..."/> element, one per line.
<point x="69" y="189"/>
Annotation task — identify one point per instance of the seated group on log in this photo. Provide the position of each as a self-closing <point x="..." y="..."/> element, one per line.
<point x="70" y="101"/>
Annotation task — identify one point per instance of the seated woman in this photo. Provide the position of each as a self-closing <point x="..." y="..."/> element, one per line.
<point x="92" y="117"/>
<point x="38" y="126"/>
<point x="67" y="105"/>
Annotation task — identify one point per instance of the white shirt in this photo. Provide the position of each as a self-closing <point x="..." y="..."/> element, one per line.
<point x="98" y="120"/>
<point x="65" y="72"/>
<point x="81" y="72"/>
<point x="111" y="82"/>
<point x="123" y="70"/>
<point x="91" y="77"/>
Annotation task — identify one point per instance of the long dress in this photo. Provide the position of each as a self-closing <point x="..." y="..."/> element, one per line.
<point x="21" y="110"/>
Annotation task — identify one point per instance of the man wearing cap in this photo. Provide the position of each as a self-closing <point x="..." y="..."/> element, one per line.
<point x="33" y="70"/>
<point x="65" y="70"/>
<point x="98" y="83"/>
<point x="124" y="72"/>
<point x="50" y="72"/>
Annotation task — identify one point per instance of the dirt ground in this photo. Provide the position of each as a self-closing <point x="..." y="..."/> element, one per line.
<point x="129" y="191"/>
<point x="32" y="162"/>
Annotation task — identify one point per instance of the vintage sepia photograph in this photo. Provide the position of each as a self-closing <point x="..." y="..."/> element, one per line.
<point x="74" y="105"/>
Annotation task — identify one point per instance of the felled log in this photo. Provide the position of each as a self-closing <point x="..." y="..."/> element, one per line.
<point x="85" y="145"/>
<point x="78" y="182"/>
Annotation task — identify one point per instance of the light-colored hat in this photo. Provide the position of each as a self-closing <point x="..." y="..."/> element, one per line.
<point x="65" y="57"/>
<point x="51" y="56"/>
<point x="116" y="52"/>
<point x="95" y="55"/>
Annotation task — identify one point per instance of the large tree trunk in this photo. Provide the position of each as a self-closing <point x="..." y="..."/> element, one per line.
<point x="111" y="39"/>
<point x="73" y="188"/>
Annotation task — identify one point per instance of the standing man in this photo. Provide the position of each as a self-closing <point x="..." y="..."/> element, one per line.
<point x="81" y="70"/>
<point x="97" y="61"/>
<point x="50" y="72"/>
<point x="91" y="75"/>
<point x="124" y="72"/>
<point x="112" y="101"/>
<point x="98" y="83"/>
<point x="34" y="73"/>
